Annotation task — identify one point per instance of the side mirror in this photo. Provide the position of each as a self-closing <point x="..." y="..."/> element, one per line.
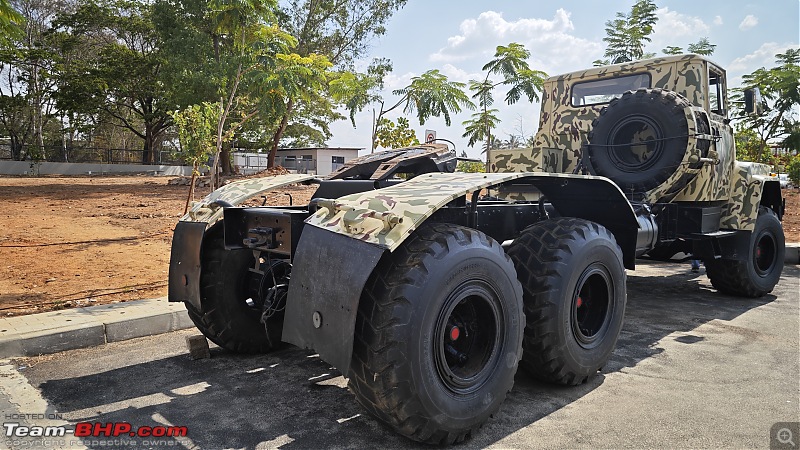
<point x="752" y="102"/>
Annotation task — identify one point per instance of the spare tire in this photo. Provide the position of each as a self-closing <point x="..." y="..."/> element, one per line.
<point x="640" y="139"/>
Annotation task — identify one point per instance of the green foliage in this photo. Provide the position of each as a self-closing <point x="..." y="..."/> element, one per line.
<point x="433" y="95"/>
<point x="780" y="94"/>
<point x="479" y="127"/>
<point x="197" y="125"/>
<point x="627" y="34"/>
<point x="702" y="47"/>
<point x="11" y="23"/>
<point x="793" y="170"/>
<point x="389" y="135"/>
<point x="511" y="63"/>
<point x="428" y="95"/>
<point x="471" y="167"/>
<point x="750" y="146"/>
<point x="339" y="29"/>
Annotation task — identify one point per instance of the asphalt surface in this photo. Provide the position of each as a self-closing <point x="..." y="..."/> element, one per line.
<point x="692" y="368"/>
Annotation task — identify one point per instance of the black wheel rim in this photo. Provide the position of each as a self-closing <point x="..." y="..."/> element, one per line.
<point x="468" y="337"/>
<point x="592" y="307"/>
<point x="765" y="253"/>
<point x="635" y="143"/>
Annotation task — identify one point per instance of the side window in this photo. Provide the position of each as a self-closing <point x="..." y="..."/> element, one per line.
<point x="603" y="91"/>
<point x="716" y="92"/>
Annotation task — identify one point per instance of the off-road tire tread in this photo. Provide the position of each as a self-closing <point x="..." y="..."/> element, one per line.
<point x="382" y="310"/>
<point x="537" y="254"/>
<point x="675" y="105"/>
<point x="217" y="326"/>
<point x="731" y="276"/>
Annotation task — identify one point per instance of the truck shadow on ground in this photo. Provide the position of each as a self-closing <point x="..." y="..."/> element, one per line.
<point x="294" y="400"/>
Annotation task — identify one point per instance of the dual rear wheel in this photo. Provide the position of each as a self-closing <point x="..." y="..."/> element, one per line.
<point x="446" y="318"/>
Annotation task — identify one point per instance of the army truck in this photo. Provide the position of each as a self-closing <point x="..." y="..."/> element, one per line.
<point x="427" y="290"/>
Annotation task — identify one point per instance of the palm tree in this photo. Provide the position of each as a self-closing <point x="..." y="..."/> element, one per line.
<point x="511" y="63"/>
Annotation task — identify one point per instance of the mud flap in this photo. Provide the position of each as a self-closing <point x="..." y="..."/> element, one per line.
<point x="329" y="272"/>
<point x="184" y="263"/>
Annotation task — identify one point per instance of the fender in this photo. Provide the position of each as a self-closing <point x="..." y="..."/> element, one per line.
<point x="187" y="238"/>
<point x="751" y="187"/>
<point x="386" y="217"/>
<point x="209" y="209"/>
<point x="347" y="237"/>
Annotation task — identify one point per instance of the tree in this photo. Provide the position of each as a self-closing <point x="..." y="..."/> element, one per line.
<point x="471" y="167"/>
<point x="391" y="135"/>
<point x="196" y="133"/>
<point x="627" y="34"/>
<point x="339" y="29"/>
<point x="428" y="95"/>
<point x="780" y="93"/>
<point x="11" y="23"/>
<point x="793" y="170"/>
<point x="123" y="76"/>
<point x="701" y="47"/>
<point x="510" y="62"/>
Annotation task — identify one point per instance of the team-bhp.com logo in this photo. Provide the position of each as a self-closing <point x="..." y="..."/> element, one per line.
<point x="88" y="429"/>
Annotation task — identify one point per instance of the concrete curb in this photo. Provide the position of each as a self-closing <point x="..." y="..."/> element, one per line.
<point x="792" y="253"/>
<point x="56" y="331"/>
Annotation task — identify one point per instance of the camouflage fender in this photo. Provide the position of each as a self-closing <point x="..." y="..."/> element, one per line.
<point x="386" y="217"/>
<point x="209" y="211"/>
<point x="187" y="239"/>
<point x="747" y="187"/>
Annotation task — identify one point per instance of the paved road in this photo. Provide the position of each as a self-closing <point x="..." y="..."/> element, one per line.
<point x="693" y="368"/>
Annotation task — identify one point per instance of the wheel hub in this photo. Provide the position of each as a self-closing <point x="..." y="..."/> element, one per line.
<point x="592" y="307"/>
<point x="467" y="336"/>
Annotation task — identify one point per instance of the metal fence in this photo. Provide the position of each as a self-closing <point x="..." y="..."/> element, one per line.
<point x="85" y="155"/>
<point x="249" y="163"/>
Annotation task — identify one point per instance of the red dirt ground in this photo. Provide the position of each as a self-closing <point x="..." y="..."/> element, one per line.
<point x="49" y="258"/>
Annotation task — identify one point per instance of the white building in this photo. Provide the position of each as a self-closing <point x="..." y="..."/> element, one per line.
<point x="314" y="160"/>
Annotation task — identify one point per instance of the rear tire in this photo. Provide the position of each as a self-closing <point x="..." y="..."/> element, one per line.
<point x="761" y="268"/>
<point x="225" y="284"/>
<point x="438" y="335"/>
<point x="574" y="296"/>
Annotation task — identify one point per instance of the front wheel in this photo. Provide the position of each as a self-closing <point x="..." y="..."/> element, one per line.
<point x="242" y="301"/>
<point x="438" y="334"/>
<point x="757" y="273"/>
<point x="574" y="293"/>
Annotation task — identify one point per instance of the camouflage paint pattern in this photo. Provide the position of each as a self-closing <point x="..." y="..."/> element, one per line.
<point x="741" y="211"/>
<point x="565" y="128"/>
<point x="236" y="193"/>
<point x="387" y="216"/>
<point x="526" y="160"/>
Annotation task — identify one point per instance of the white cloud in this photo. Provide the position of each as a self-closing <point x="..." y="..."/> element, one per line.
<point x="674" y="28"/>
<point x="453" y="73"/>
<point x="392" y="81"/>
<point x="553" y="47"/>
<point x="749" y="22"/>
<point x="718" y="20"/>
<point x="764" y="56"/>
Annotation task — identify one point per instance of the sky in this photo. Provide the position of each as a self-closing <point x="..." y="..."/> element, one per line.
<point x="458" y="37"/>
